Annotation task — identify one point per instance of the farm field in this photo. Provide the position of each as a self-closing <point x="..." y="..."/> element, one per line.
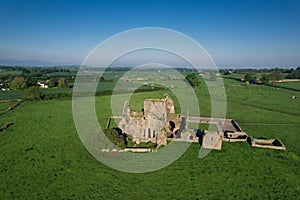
<point x="5" y="105"/>
<point x="295" y="85"/>
<point x="19" y="94"/>
<point x="10" y="72"/>
<point x="42" y="155"/>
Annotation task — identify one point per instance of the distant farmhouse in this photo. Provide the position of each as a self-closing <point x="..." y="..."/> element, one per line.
<point x="4" y="88"/>
<point x="158" y="122"/>
<point x="42" y="84"/>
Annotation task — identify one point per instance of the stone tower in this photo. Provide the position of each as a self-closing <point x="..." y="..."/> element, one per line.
<point x="149" y="125"/>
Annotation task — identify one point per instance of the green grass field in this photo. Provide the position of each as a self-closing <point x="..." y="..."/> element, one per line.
<point x="43" y="157"/>
<point x="19" y="94"/>
<point x="12" y="94"/>
<point x="5" y="105"/>
<point x="10" y="72"/>
<point x="295" y="85"/>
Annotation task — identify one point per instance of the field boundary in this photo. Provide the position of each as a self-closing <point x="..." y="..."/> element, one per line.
<point x="267" y="124"/>
<point x="11" y="107"/>
<point x="10" y="100"/>
<point x="263" y="108"/>
<point x="6" y="126"/>
<point x="283" y="87"/>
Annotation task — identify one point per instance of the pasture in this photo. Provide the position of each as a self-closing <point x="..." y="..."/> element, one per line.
<point x="10" y="72"/>
<point x="43" y="157"/>
<point x="294" y="85"/>
<point x="5" y="105"/>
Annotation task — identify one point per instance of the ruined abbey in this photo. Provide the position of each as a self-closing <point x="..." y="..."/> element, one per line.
<point x="158" y="122"/>
<point x="154" y="123"/>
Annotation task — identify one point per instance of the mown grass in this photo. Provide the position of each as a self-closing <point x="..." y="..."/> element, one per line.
<point x="43" y="157"/>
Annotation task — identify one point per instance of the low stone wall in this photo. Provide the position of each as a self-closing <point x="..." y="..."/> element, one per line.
<point x="133" y="149"/>
<point x="236" y="125"/>
<point x="235" y="137"/>
<point x="10" y="100"/>
<point x="269" y="144"/>
<point x="112" y="117"/>
<point x="234" y="140"/>
<point x="137" y="150"/>
<point x="10" y="108"/>
<point x="268" y="147"/>
<point x="130" y="149"/>
<point x="6" y="126"/>
<point x="195" y="139"/>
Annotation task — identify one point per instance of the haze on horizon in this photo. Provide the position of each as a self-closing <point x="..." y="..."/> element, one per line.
<point x="235" y="33"/>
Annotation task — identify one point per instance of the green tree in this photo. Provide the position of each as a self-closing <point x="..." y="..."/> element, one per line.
<point x="275" y="76"/>
<point x="18" y="83"/>
<point x="294" y="74"/>
<point x="116" y="137"/>
<point x="193" y="80"/>
<point x="25" y="72"/>
<point x="248" y="78"/>
<point x="33" y="92"/>
<point x="265" y="79"/>
<point x="62" y="82"/>
<point x="53" y="82"/>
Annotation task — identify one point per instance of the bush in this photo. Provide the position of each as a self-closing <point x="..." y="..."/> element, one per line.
<point x="33" y="92"/>
<point x="294" y="74"/>
<point x="275" y="76"/>
<point x="57" y="95"/>
<point x="18" y="83"/>
<point x="116" y="137"/>
<point x="265" y="79"/>
<point x="62" y="82"/>
<point x="248" y="78"/>
<point x="193" y="80"/>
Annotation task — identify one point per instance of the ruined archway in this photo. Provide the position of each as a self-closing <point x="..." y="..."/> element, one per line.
<point x="171" y="126"/>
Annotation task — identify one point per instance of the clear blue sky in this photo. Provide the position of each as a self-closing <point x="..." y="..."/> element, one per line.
<point x="236" y="33"/>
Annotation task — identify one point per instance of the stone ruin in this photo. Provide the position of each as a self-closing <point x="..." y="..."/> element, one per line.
<point x="230" y="131"/>
<point x="267" y="143"/>
<point x="158" y="122"/>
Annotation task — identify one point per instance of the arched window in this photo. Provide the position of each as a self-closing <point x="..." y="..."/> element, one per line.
<point x="171" y="125"/>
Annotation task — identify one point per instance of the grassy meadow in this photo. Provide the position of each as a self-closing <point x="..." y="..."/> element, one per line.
<point x="41" y="155"/>
<point x="5" y="105"/>
<point x="294" y="85"/>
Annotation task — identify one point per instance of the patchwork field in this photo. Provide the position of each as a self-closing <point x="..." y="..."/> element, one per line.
<point x="41" y="155"/>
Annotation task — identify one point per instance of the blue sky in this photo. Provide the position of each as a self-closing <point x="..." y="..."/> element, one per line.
<point x="235" y="33"/>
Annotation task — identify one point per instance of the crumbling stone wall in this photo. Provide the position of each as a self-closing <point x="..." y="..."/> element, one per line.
<point x="152" y="124"/>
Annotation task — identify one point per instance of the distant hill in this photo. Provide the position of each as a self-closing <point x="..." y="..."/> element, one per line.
<point x="27" y="62"/>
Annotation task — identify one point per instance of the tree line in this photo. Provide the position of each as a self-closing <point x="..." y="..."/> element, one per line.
<point x="19" y="83"/>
